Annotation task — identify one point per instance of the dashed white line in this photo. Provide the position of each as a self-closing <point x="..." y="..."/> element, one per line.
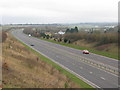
<point x="102" y="78"/>
<point x="91" y="72"/>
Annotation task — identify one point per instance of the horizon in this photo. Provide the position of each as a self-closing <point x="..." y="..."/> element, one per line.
<point x="60" y="23"/>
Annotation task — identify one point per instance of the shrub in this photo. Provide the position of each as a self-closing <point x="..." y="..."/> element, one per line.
<point x="4" y="36"/>
<point x="101" y="38"/>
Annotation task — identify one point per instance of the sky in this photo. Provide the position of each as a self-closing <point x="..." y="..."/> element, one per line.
<point x="57" y="11"/>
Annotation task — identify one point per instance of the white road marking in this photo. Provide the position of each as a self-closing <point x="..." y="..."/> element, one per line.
<point x="102" y="78"/>
<point x="91" y="72"/>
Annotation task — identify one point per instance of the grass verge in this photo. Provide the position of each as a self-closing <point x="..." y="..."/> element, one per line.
<point x="65" y="72"/>
<point x="107" y="54"/>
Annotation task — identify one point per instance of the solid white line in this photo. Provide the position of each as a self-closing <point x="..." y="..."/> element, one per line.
<point x="91" y="72"/>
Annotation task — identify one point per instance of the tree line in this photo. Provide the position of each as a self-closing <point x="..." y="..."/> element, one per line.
<point x="72" y="30"/>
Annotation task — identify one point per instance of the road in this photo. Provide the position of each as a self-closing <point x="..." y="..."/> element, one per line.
<point x="75" y="62"/>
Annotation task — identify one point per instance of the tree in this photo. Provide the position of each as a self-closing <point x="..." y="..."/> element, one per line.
<point x="67" y="31"/>
<point x="76" y="29"/>
<point x="65" y="40"/>
<point x="47" y="36"/>
<point x="72" y="30"/>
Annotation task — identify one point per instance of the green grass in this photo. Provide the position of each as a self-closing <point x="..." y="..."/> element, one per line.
<point x="107" y="54"/>
<point x="65" y="72"/>
<point x="66" y="85"/>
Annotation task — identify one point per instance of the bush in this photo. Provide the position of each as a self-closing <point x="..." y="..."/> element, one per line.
<point x="101" y="38"/>
<point x="65" y="40"/>
<point x="4" y="37"/>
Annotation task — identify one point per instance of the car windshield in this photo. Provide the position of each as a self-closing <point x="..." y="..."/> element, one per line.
<point x="86" y="50"/>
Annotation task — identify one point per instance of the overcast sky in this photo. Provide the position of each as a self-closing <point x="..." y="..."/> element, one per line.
<point x="58" y="11"/>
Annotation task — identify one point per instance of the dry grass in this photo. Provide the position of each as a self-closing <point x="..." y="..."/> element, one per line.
<point x="110" y="48"/>
<point x="23" y="69"/>
<point x="101" y="38"/>
<point x="85" y="44"/>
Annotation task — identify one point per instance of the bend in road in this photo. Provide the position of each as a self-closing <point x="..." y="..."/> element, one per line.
<point x="62" y="55"/>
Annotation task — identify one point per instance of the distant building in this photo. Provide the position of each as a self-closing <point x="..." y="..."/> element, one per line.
<point x="61" y="32"/>
<point x="109" y="26"/>
<point x="48" y="33"/>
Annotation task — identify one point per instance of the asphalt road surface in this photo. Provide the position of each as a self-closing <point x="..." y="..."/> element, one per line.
<point x="73" y="61"/>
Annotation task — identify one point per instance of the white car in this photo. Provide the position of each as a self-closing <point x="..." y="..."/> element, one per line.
<point x="29" y="35"/>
